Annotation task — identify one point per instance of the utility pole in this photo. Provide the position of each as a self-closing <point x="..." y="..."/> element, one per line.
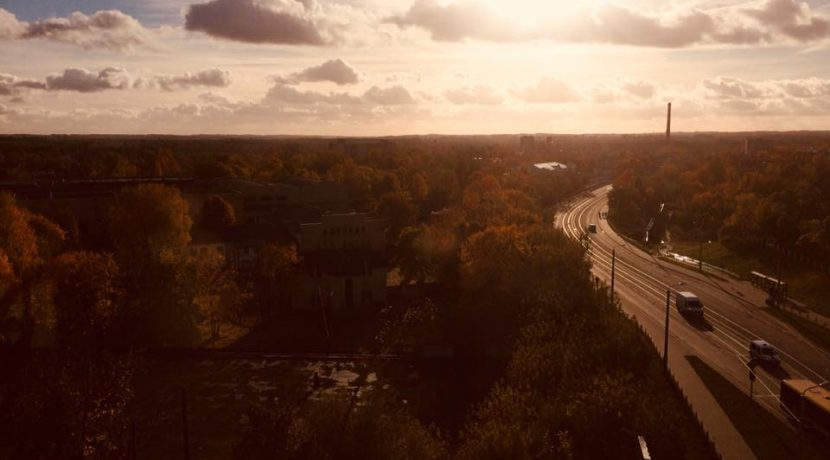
<point x="666" y="336"/>
<point x="613" y="271"/>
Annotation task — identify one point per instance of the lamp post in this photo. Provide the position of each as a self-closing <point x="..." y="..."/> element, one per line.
<point x="614" y="268"/>
<point x="700" y="256"/>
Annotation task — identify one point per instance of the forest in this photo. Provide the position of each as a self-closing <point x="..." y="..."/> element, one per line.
<point x="560" y="371"/>
<point x="766" y="201"/>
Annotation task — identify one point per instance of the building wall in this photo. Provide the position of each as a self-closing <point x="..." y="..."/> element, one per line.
<point x="366" y="290"/>
<point x="342" y="231"/>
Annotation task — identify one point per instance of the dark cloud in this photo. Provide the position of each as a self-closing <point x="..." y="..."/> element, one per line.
<point x="478" y="95"/>
<point x="335" y="71"/>
<point x="212" y="77"/>
<point x="84" y="81"/>
<point x="250" y="21"/>
<point x="111" y="29"/>
<point x="548" y="91"/>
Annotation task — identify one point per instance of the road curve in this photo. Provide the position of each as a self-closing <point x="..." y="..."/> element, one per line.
<point x="733" y="317"/>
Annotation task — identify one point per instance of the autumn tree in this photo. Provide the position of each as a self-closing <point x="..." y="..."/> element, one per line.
<point x="28" y="242"/>
<point x="277" y="276"/>
<point x="87" y="296"/>
<point x="211" y="285"/>
<point x="398" y="212"/>
<point x="218" y="214"/>
<point x="150" y="228"/>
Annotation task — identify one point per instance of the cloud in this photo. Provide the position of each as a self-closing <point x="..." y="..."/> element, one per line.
<point x="478" y="95"/>
<point x="617" y="25"/>
<point x="774" y="21"/>
<point x="335" y="71"/>
<point x="791" y="18"/>
<point x="393" y="95"/>
<point x="84" y="81"/>
<point x="640" y="89"/>
<point x="728" y="88"/>
<point x="456" y="21"/>
<point x="548" y="91"/>
<point x="11" y="85"/>
<point x="213" y="77"/>
<point x="251" y="21"/>
<point x="111" y="30"/>
<point x="10" y="27"/>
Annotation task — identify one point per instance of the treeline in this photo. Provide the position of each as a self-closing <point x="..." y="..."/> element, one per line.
<point x="772" y="198"/>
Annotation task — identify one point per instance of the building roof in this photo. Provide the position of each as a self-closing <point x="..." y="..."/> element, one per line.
<point x="551" y="166"/>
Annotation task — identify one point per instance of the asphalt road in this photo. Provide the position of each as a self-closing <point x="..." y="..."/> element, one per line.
<point x="733" y="315"/>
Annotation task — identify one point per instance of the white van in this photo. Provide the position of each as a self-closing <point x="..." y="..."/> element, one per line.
<point x="762" y="351"/>
<point x="688" y="303"/>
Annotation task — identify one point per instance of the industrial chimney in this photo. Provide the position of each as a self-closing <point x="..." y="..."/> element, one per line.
<point x="668" y="123"/>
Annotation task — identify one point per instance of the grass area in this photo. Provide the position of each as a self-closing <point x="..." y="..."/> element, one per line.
<point x="767" y="436"/>
<point x="805" y="285"/>
<point x="817" y="334"/>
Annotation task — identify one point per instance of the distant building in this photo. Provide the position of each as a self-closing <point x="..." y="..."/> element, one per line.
<point x="345" y="270"/>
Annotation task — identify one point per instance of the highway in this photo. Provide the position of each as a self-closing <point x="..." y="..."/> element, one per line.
<point x="733" y="310"/>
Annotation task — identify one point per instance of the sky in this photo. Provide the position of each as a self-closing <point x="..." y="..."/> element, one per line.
<point x="399" y="67"/>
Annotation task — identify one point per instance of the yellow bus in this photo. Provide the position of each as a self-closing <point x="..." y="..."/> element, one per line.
<point x="808" y="402"/>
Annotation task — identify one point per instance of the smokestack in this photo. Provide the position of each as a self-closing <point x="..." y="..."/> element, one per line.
<point x="668" y="123"/>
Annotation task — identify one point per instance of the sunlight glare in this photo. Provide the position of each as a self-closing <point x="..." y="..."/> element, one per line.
<point x="536" y="12"/>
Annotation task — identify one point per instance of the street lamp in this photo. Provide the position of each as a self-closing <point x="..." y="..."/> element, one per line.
<point x="666" y="334"/>
<point x="700" y="256"/>
<point x="614" y="267"/>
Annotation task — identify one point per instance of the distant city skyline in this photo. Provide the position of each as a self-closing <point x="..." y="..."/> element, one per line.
<point x="371" y="67"/>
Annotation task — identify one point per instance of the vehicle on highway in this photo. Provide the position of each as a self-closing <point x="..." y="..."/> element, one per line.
<point x="808" y="402"/>
<point x="688" y="303"/>
<point x="761" y="351"/>
<point x="776" y="288"/>
<point x="592" y="228"/>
